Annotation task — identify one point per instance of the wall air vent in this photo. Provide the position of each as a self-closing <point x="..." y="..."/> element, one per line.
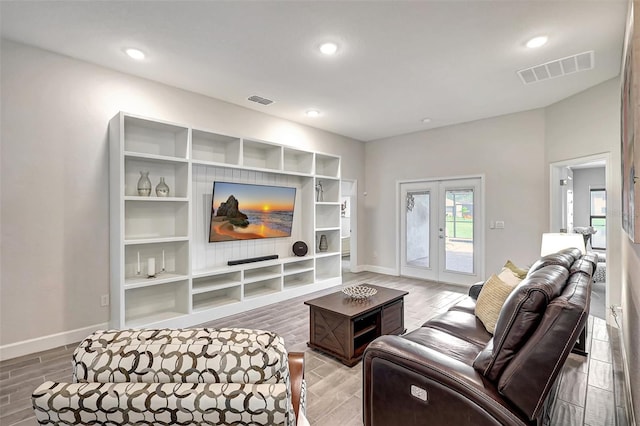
<point x="260" y="100"/>
<point x="564" y="66"/>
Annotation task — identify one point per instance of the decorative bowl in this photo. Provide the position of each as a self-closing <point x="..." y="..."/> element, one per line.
<point x="359" y="292"/>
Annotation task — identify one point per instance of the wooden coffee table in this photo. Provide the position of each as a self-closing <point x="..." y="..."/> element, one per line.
<point x="344" y="327"/>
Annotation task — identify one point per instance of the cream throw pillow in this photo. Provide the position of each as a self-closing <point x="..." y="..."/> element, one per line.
<point x="507" y="276"/>
<point x="490" y="300"/>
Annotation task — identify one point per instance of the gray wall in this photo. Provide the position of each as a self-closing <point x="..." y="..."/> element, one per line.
<point x="584" y="125"/>
<point x="54" y="177"/>
<point x="583" y="181"/>
<point x="507" y="150"/>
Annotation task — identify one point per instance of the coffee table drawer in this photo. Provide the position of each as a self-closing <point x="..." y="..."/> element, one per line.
<point x="330" y="331"/>
<point x="393" y="318"/>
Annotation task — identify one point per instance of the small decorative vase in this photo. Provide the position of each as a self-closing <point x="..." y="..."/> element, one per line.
<point x="319" y="192"/>
<point x="323" y="246"/>
<point x="144" y="185"/>
<point x="162" y="190"/>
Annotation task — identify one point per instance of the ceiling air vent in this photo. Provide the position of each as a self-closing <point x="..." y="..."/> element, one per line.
<point x="260" y="100"/>
<point x="558" y="68"/>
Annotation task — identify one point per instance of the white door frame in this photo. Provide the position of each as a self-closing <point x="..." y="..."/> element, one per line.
<point x="481" y="225"/>
<point x="353" y="211"/>
<point x="555" y="206"/>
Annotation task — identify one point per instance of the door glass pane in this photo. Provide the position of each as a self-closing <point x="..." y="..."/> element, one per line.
<point x="598" y="218"/>
<point x="459" y="230"/>
<point x="598" y="202"/>
<point x="417" y="238"/>
<point x="599" y="239"/>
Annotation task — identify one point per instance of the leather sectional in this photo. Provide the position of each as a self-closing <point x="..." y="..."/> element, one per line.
<point x="451" y="371"/>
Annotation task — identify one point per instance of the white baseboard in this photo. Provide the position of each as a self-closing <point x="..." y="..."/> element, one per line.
<point x="358" y="268"/>
<point x="627" y="380"/>
<point x="26" y="347"/>
<point x="380" y="270"/>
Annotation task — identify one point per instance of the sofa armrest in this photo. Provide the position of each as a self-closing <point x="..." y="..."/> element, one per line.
<point x="475" y="289"/>
<point x="296" y="374"/>
<point x="413" y="378"/>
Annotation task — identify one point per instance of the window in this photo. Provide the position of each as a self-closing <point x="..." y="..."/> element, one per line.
<point x="598" y="218"/>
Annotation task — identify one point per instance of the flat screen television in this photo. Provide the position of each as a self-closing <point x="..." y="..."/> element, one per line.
<point x="241" y="211"/>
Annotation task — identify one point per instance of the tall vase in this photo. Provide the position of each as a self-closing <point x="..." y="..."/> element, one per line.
<point x="324" y="246"/>
<point x="144" y="185"/>
<point x="162" y="190"/>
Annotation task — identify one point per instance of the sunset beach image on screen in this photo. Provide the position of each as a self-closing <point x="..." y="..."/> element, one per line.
<point x="241" y="211"/>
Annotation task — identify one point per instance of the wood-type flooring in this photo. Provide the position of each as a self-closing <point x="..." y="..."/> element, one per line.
<point x="590" y="390"/>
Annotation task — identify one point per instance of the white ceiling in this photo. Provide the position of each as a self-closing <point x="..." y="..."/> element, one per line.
<point x="398" y="62"/>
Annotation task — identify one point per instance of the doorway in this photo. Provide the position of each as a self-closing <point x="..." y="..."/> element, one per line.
<point x="578" y="189"/>
<point x="441" y="236"/>
<point x="348" y="227"/>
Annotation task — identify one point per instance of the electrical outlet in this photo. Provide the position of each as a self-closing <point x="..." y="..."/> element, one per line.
<point x="499" y="224"/>
<point x="104" y="300"/>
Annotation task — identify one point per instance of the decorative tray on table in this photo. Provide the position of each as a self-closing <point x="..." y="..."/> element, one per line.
<point x="359" y="292"/>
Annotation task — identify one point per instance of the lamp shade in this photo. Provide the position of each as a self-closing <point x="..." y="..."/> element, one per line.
<point x="554" y="242"/>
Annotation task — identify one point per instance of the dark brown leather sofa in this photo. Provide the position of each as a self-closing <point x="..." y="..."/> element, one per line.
<point x="452" y="372"/>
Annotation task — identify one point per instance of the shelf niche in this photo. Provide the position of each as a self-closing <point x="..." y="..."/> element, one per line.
<point x="148" y="305"/>
<point x="261" y="155"/>
<point x="327" y="165"/>
<point x="176" y="260"/>
<point x="168" y="219"/>
<point x="156" y="138"/>
<point x="176" y="175"/>
<point x="215" y="148"/>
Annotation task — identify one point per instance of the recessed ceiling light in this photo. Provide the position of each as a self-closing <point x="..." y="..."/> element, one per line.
<point x="426" y="120"/>
<point x="329" y="48"/>
<point x="537" y="42"/>
<point x="136" y="54"/>
<point x="313" y="113"/>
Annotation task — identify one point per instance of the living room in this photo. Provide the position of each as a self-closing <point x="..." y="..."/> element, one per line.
<point x="55" y="182"/>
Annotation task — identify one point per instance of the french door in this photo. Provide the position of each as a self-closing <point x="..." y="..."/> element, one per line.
<point x="441" y="235"/>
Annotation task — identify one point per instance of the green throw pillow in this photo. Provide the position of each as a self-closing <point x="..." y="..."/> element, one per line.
<point x="519" y="272"/>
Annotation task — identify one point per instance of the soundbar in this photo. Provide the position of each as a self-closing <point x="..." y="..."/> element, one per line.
<point x="252" y="259"/>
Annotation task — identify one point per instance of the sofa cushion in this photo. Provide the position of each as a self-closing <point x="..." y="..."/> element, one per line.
<point x="583" y="265"/>
<point x="162" y="404"/>
<point x="445" y="343"/>
<point x="564" y="258"/>
<point x="198" y="355"/>
<point x="490" y="300"/>
<point x="554" y="338"/>
<point x="468" y="305"/>
<point x="463" y="325"/>
<point x="520" y="315"/>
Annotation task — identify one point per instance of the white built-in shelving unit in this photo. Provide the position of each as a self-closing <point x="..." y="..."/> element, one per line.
<point x="196" y="284"/>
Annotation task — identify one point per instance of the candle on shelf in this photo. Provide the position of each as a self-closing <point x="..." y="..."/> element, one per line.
<point x="138" y="263"/>
<point x="151" y="267"/>
<point x="162" y="260"/>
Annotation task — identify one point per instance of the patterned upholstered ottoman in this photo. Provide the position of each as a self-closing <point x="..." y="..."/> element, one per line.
<point x="175" y="377"/>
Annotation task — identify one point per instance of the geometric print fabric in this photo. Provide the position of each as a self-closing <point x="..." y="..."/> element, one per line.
<point x="173" y="376"/>
<point x="182" y="355"/>
<point x="161" y="404"/>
